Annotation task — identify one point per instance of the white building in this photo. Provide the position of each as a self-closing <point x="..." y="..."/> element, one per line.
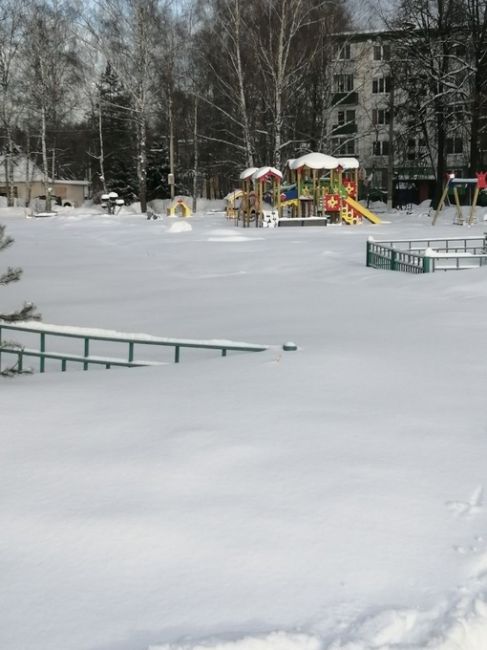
<point x="27" y="183"/>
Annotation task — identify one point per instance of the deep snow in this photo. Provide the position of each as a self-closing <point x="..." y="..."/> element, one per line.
<point x="324" y="499"/>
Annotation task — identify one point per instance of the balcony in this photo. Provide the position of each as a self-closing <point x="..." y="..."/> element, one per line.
<point x="345" y="99"/>
<point x="344" y="129"/>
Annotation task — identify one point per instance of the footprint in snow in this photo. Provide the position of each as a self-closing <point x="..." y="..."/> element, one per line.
<point x="468" y="508"/>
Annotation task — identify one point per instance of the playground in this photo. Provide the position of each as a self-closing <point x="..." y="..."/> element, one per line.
<point x="315" y="189"/>
<point x="295" y="477"/>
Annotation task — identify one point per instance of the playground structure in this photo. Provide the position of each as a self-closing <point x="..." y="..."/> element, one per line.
<point x="307" y="172"/>
<point x="260" y="196"/>
<point x="232" y="203"/>
<point x="453" y="183"/>
<point x="179" y="208"/>
<point x="319" y="189"/>
<point x="247" y="209"/>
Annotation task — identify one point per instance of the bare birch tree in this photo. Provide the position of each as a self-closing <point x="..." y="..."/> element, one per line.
<point x="433" y="75"/>
<point x="286" y="38"/>
<point x="11" y="31"/>
<point x="50" y="73"/>
<point x="126" y="33"/>
<point x="475" y="38"/>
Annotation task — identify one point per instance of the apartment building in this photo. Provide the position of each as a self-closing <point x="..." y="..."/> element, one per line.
<point x="371" y="122"/>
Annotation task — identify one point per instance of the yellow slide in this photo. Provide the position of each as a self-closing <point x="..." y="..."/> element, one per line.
<point x="363" y="211"/>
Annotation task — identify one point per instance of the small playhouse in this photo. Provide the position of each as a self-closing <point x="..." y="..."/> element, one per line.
<point x="318" y="190"/>
<point x="179" y="208"/>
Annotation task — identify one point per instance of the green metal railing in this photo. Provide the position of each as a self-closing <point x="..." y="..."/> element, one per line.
<point x="86" y="337"/>
<point x="427" y="255"/>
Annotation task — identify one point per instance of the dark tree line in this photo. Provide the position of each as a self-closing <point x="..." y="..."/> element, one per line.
<point x="127" y="90"/>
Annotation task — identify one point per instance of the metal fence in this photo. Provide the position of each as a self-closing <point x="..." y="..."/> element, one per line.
<point x="86" y="337"/>
<point x="427" y="255"/>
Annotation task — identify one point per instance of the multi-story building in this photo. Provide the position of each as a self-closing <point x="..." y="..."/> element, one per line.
<point x="371" y="120"/>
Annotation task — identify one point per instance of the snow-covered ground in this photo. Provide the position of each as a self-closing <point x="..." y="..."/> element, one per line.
<point x="326" y="499"/>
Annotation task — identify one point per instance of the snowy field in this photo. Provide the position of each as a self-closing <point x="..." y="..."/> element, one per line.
<point x="326" y="499"/>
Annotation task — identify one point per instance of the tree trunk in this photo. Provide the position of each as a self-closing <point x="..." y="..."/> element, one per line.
<point x="475" y="128"/>
<point x="9" y="183"/>
<point x="390" y="156"/>
<point x="102" y="153"/>
<point x="27" y="169"/>
<point x="45" y="176"/>
<point x="142" y="161"/>
<point x="440" y="159"/>
<point x="248" y="140"/>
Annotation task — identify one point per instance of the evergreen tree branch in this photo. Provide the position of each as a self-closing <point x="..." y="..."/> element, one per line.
<point x="10" y="275"/>
<point x="27" y="312"/>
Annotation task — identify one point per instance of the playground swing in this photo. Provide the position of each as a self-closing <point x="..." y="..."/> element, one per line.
<point x="480" y="183"/>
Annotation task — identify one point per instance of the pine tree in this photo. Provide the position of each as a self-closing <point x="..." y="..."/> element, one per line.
<point x="26" y="312"/>
<point x="118" y="139"/>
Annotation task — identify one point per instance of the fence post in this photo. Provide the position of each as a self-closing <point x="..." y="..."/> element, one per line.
<point x="393" y="260"/>
<point x="428" y="261"/>
<point x="370" y="241"/>
<point x="86" y="352"/>
<point x="42" y="360"/>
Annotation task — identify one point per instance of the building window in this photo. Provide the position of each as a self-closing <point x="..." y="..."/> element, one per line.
<point x="454" y="145"/>
<point x="14" y="191"/>
<point x="380" y="148"/>
<point x="381" y="85"/>
<point x="343" y="146"/>
<point x="381" y="116"/>
<point x="343" y="83"/>
<point x="382" y="52"/>
<point x="343" y="52"/>
<point x="345" y="117"/>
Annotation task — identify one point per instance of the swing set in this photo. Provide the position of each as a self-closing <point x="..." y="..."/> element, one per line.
<point x="480" y="183"/>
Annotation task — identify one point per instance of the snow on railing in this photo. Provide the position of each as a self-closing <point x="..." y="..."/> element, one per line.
<point x="87" y="336"/>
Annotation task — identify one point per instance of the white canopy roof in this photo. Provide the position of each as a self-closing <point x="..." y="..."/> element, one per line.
<point x="314" y="160"/>
<point x="348" y="163"/>
<point x="266" y="171"/>
<point x="232" y="196"/>
<point x="247" y="173"/>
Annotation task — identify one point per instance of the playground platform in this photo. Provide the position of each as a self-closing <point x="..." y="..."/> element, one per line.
<point x="302" y="221"/>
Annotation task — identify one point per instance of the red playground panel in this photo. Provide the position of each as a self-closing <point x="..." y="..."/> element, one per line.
<point x="331" y="202"/>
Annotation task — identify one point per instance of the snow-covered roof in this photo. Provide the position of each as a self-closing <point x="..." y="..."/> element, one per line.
<point x="264" y="172"/>
<point x="231" y="196"/>
<point x="71" y="182"/>
<point x="25" y="169"/>
<point x="247" y="173"/>
<point x="314" y="160"/>
<point x="348" y="163"/>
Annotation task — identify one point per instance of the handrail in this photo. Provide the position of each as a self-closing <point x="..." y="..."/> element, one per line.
<point x="21" y="352"/>
<point x="88" y="335"/>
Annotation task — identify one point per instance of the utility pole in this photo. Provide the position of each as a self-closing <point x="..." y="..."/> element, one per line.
<point x="171" y="145"/>
<point x="196" y="152"/>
